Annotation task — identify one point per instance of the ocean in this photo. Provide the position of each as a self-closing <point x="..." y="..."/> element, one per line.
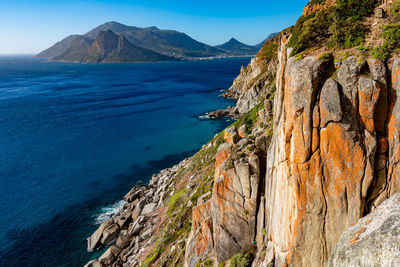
<point x="75" y="138"/>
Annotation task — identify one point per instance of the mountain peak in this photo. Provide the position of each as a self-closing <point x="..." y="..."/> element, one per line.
<point x="235" y="47"/>
<point x="233" y="40"/>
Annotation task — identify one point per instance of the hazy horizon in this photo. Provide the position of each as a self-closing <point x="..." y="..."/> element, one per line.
<point x="32" y="27"/>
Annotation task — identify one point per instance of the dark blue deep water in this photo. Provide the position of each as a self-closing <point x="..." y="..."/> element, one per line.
<point x="75" y="138"/>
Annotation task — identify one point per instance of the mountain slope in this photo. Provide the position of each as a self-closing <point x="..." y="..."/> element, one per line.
<point x="272" y="35"/>
<point x="235" y="47"/>
<point x="59" y="47"/>
<point x="111" y="48"/>
<point x="76" y="50"/>
<point x="166" y="42"/>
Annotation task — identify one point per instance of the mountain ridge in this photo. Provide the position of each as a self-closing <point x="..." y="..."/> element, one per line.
<point x="169" y="43"/>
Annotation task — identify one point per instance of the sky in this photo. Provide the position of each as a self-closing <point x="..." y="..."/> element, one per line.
<point x="30" y="26"/>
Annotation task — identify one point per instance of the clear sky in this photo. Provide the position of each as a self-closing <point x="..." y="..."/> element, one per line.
<point x="30" y="26"/>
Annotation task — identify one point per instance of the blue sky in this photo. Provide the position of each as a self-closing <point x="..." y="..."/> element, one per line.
<point x="29" y="26"/>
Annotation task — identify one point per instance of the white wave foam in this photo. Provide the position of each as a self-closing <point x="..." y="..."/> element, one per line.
<point x="108" y="211"/>
<point x="203" y="117"/>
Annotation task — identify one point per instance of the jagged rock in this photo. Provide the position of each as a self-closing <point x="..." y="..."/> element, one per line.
<point x="223" y="152"/>
<point x="109" y="255"/>
<point x="242" y="142"/>
<point x="218" y="114"/>
<point x="124" y="219"/>
<point x="149" y="208"/>
<point x="243" y="131"/>
<point x="262" y="143"/>
<point x="146" y="234"/>
<point x="110" y="234"/>
<point x="94" y="241"/>
<point x="330" y="108"/>
<point x="134" y="194"/>
<point x="138" y="225"/>
<point x="243" y="171"/>
<point x="124" y="239"/>
<point x="200" y="241"/>
<point x="373" y="241"/>
<point x="93" y="263"/>
<point x="231" y="135"/>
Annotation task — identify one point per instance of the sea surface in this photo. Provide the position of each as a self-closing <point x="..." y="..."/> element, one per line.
<point x="74" y="139"/>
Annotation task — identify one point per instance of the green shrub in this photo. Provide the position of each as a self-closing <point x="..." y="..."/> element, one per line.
<point x="380" y="53"/>
<point x="338" y="26"/>
<point x="242" y="260"/>
<point x="391" y="34"/>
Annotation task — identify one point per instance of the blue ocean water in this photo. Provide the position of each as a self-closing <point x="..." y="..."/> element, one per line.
<point x="75" y="138"/>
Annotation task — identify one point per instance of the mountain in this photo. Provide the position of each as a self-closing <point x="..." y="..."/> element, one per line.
<point x="235" y="47"/>
<point x="269" y="37"/>
<point x="109" y="47"/>
<point x="167" y="42"/>
<point x="74" y="50"/>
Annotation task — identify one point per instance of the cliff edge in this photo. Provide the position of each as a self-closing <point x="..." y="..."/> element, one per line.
<point x="315" y="151"/>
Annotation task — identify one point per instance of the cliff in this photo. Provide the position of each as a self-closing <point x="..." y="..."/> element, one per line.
<point x="255" y="82"/>
<point x="111" y="48"/>
<point x="318" y="151"/>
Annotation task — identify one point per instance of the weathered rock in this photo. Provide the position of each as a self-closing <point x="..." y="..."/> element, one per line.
<point x="110" y="234"/>
<point x="330" y="108"/>
<point x="379" y="13"/>
<point x="149" y="208"/>
<point x="94" y="241"/>
<point x="138" y="225"/>
<point x="218" y="113"/>
<point x="231" y="135"/>
<point x="243" y="131"/>
<point x="200" y="241"/>
<point x="93" y="263"/>
<point x="373" y="241"/>
<point x="124" y="239"/>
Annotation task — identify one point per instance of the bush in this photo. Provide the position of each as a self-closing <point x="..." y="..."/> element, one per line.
<point x="242" y="260"/>
<point x="391" y="35"/>
<point x="338" y="26"/>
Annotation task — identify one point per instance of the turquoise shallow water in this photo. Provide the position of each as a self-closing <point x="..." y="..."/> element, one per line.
<point x="75" y="138"/>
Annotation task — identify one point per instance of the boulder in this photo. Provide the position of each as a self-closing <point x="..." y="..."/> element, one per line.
<point x="94" y="241"/>
<point x="149" y="208"/>
<point x="231" y="135"/>
<point x="242" y="131"/>
<point x="138" y="225"/>
<point x="380" y="13"/>
<point x="110" y="234"/>
<point x="373" y="241"/>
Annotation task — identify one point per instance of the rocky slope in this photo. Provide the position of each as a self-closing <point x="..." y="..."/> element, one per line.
<point x="318" y="151"/>
<point x="254" y="83"/>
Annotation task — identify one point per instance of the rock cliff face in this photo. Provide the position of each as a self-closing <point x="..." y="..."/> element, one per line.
<point x="331" y="160"/>
<point x="316" y="149"/>
<point x="255" y="81"/>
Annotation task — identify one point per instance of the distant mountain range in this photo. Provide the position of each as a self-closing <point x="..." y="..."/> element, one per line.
<point x="114" y="42"/>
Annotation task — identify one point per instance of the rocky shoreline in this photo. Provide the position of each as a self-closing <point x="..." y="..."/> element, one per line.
<point x="129" y="232"/>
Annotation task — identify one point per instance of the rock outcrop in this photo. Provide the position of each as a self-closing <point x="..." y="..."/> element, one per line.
<point x="316" y="150"/>
<point x="332" y="159"/>
<point x="254" y="83"/>
<point x="373" y="241"/>
<point x="226" y="223"/>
